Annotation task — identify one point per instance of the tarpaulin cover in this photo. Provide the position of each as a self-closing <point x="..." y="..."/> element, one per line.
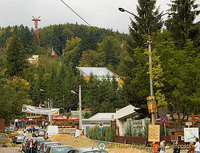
<point x="60" y="118"/>
<point x="40" y="110"/>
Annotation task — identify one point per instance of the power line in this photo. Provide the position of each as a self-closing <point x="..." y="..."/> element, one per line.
<point x="76" y="13"/>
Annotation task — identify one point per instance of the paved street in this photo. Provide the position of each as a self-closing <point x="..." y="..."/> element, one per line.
<point x="9" y="150"/>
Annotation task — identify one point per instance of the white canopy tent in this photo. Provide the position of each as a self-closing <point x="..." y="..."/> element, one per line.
<point x="40" y="110"/>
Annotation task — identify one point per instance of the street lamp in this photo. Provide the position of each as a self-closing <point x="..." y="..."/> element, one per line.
<point x="153" y="115"/>
<point x="80" y="107"/>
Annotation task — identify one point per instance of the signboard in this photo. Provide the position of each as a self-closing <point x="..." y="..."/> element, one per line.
<point x="164" y="119"/>
<point x="102" y="146"/>
<point x="152" y="107"/>
<point x="151" y="103"/>
<point x="154" y="133"/>
<point x="188" y="123"/>
<point x="190" y="134"/>
<point x="101" y="126"/>
<point x="40" y="110"/>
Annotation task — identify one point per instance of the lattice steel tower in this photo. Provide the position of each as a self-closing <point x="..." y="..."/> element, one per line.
<point x="36" y="28"/>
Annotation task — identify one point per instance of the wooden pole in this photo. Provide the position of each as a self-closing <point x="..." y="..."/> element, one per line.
<point x="192" y="119"/>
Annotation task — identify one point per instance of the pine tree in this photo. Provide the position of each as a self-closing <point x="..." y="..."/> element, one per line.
<point x="111" y="48"/>
<point x="181" y="21"/>
<point x="15" y="57"/>
<point x="148" y="18"/>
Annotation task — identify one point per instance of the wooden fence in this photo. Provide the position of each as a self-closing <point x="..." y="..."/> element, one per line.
<point x="139" y="140"/>
<point x="2" y="125"/>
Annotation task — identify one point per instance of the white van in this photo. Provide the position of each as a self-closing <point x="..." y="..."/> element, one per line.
<point x="52" y="129"/>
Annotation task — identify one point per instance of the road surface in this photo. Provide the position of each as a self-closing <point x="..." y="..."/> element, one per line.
<point x="9" y="150"/>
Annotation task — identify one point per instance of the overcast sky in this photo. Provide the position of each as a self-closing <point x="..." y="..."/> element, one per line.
<point x="100" y="13"/>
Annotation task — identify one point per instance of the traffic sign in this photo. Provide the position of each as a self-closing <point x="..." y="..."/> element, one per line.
<point x="188" y="123"/>
<point x="100" y="129"/>
<point x="150" y="98"/>
<point x="164" y="119"/>
<point x="101" y="124"/>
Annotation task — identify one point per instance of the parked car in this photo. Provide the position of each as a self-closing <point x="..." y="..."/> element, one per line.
<point x="6" y="130"/>
<point x="10" y="130"/>
<point x="41" y="132"/>
<point x="24" y="144"/>
<point x="26" y="140"/>
<point x="86" y="150"/>
<point x="37" y="127"/>
<point x="45" y="145"/>
<point x="58" y="149"/>
<point x="19" y="138"/>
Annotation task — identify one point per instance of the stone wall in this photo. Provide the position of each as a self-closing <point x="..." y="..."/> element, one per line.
<point x="2" y="139"/>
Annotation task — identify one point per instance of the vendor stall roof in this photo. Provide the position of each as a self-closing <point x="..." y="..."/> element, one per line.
<point x="40" y="110"/>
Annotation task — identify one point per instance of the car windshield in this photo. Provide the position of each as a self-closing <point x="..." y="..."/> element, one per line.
<point x="61" y="149"/>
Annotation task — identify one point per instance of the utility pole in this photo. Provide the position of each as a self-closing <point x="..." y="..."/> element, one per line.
<point x="80" y="110"/>
<point x="153" y="115"/>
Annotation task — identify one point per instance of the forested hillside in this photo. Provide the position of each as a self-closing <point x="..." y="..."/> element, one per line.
<point x="53" y="78"/>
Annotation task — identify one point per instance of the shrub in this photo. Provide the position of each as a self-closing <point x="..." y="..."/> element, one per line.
<point x="105" y="135"/>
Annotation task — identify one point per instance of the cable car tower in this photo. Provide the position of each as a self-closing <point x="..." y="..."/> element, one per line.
<point x="36" y="28"/>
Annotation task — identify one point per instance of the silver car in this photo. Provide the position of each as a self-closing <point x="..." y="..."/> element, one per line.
<point x="27" y="139"/>
<point x="58" y="149"/>
<point x="87" y="150"/>
<point x="20" y="138"/>
<point x="41" y="132"/>
<point x="45" y="145"/>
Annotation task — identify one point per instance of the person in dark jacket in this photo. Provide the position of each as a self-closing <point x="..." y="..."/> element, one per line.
<point x="35" y="146"/>
<point x="176" y="147"/>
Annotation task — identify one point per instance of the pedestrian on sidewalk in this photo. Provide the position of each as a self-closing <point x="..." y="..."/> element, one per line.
<point x="162" y="147"/>
<point x="35" y="147"/>
<point x="197" y="146"/>
<point x="177" y="148"/>
<point x="30" y="146"/>
<point x="191" y="149"/>
<point x="155" y="147"/>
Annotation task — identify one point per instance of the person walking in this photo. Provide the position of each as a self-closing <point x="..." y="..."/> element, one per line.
<point x="196" y="146"/>
<point x="35" y="146"/>
<point x="162" y="147"/>
<point x="45" y="135"/>
<point x="30" y="146"/>
<point x="177" y="148"/>
<point x="155" y="147"/>
<point x="33" y="128"/>
<point x="191" y="149"/>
